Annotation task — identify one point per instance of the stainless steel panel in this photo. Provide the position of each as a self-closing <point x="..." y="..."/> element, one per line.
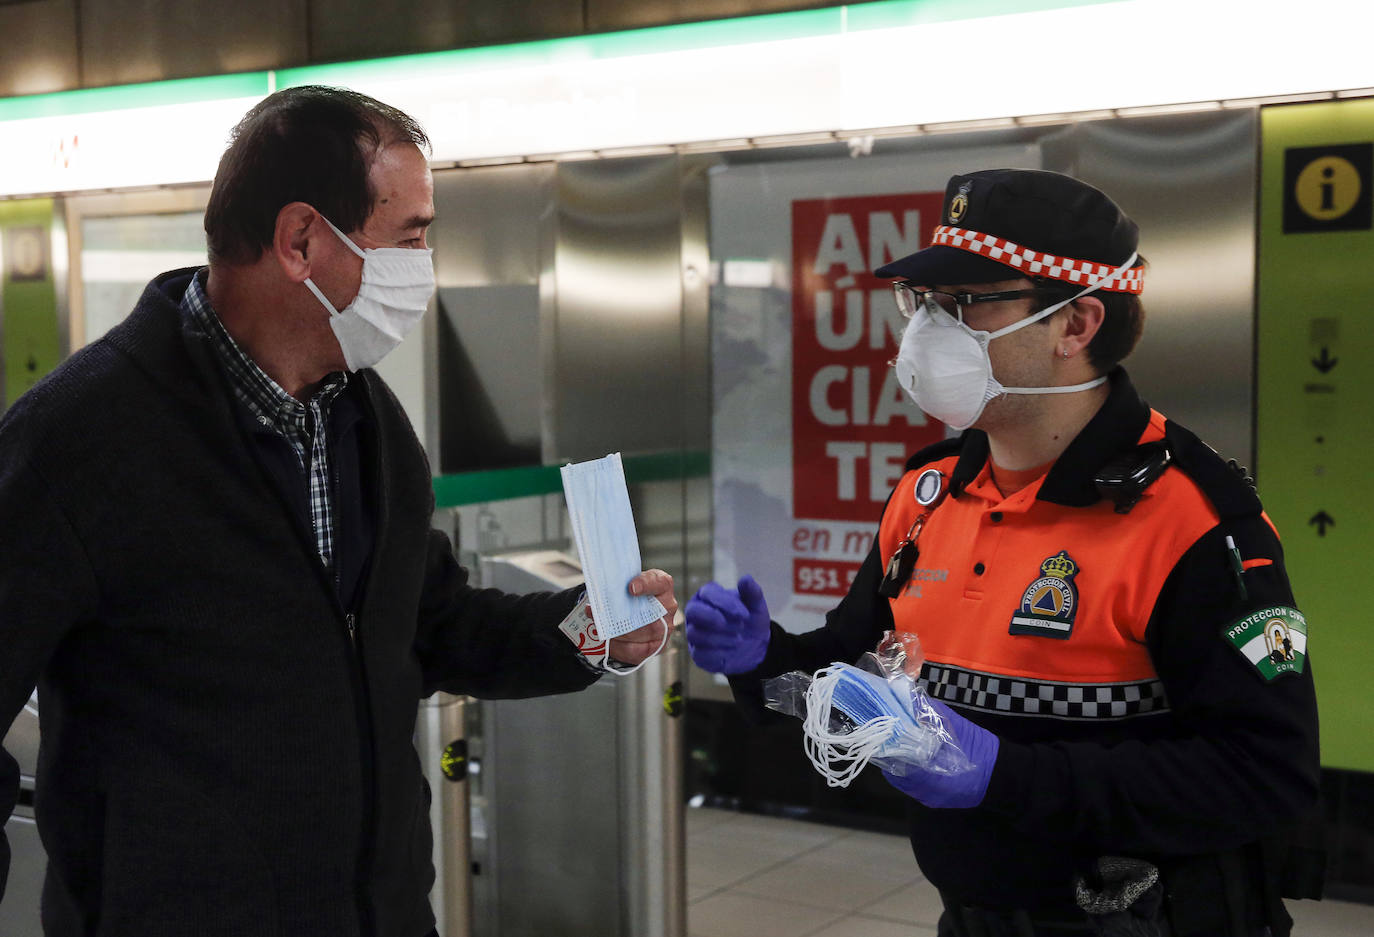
<point x="487" y="223"/>
<point x="345" y="29"/>
<point x="40" y="48"/>
<point x="580" y="797"/>
<point x="659" y="519"/>
<point x="554" y="832"/>
<point x="124" y="41"/>
<point x="486" y="239"/>
<point x="488" y="383"/>
<point x="1189" y="182"/>
<point x="696" y="370"/>
<point x="549" y="777"/>
<point x="618" y="281"/>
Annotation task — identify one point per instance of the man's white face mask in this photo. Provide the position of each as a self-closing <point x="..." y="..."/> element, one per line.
<point x="396" y="288"/>
<point x="945" y="367"/>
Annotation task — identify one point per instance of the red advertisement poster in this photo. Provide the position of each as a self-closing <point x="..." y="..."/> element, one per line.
<point x="852" y="425"/>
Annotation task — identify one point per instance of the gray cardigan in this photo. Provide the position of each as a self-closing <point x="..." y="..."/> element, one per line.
<point x="218" y="757"/>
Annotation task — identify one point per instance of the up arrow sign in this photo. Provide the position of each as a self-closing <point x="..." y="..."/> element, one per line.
<point x="1324" y="363"/>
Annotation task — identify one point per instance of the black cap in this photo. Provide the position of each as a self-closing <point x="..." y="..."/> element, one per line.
<point x="1047" y="212"/>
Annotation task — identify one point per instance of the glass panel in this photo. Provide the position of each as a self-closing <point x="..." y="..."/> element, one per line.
<point x="120" y="254"/>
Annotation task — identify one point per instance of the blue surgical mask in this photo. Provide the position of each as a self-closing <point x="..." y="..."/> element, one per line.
<point x="604" y="531"/>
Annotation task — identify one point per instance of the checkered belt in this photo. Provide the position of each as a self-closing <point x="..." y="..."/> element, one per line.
<point x="1019" y="696"/>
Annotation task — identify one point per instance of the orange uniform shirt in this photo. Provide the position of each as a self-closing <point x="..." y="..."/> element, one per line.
<point x="1015" y="587"/>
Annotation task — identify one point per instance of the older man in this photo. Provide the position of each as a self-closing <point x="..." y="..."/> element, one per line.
<point x="218" y="566"/>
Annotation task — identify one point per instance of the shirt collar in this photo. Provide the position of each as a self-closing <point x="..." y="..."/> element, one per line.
<point x="270" y="403"/>
<point x="1115" y="428"/>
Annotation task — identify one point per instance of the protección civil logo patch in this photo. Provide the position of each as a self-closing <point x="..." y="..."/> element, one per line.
<point x="1273" y="639"/>
<point x="1050" y="602"/>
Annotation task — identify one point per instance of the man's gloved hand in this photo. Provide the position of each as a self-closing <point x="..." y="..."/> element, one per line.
<point x="965" y="789"/>
<point x="727" y="630"/>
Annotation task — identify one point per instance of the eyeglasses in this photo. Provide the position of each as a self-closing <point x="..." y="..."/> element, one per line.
<point x="911" y="300"/>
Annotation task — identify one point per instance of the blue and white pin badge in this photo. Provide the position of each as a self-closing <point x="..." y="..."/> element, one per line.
<point x="1049" y="604"/>
<point x="930" y="484"/>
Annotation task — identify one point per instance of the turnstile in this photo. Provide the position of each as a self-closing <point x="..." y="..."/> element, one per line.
<point x="577" y="805"/>
<point x="440" y="738"/>
<point x="28" y="862"/>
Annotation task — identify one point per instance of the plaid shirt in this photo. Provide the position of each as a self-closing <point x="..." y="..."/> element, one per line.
<point x="303" y="425"/>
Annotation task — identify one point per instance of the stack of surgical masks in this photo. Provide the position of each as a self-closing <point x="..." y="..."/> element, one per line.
<point x="876" y="724"/>
<point x="873" y="712"/>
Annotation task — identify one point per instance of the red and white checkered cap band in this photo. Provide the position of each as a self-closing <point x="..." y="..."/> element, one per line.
<point x="1035" y="264"/>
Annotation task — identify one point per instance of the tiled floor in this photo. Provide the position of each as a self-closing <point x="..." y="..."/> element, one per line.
<point x="756" y="876"/>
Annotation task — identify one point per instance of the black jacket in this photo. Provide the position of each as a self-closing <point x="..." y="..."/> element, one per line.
<point x="219" y="758"/>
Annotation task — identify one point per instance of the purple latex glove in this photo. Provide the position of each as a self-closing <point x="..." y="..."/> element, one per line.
<point x="965" y="789"/>
<point x="727" y="630"/>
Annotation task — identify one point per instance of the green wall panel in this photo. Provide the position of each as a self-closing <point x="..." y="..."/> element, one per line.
<point x="1314" y="384"/>
<point x="28" y="295"/>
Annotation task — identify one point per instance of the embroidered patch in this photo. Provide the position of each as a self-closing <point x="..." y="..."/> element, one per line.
<point x="1050" y="603"/>
<point x="1273" y="639"/>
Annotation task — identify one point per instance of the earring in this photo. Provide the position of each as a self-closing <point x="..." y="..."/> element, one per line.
<point x="1065" y="354"/>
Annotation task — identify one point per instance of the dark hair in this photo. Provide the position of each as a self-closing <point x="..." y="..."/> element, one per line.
<point x="1123" y="322"/>
<point x="309" y="144"/>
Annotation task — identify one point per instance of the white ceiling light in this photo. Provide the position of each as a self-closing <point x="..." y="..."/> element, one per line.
<point x="778" y="79"/>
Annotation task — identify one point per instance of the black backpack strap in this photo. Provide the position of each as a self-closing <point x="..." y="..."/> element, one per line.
<point x="1226" y="484"/>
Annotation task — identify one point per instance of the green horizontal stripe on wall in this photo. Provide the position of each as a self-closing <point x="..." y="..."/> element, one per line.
<point x="525" y="481"/>
<point x="150" y="94"/>
<point x="795" y="24"/>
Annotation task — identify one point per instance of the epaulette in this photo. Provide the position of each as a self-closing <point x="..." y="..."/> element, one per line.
<point x="1224" y="483"/>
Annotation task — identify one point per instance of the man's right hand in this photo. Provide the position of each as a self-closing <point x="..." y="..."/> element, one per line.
<point x="728" y="629"/>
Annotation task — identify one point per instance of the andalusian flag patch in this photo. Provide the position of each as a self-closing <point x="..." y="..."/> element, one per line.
<point x="1273" y="639"/>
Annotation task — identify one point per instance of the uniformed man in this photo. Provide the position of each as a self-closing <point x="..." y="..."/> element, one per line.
<point x="1095" y="591"/>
